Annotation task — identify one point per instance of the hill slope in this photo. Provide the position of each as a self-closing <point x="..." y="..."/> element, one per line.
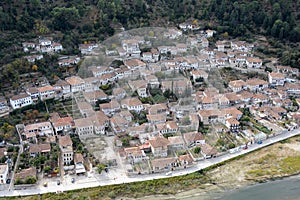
<point x="82" y="20"/>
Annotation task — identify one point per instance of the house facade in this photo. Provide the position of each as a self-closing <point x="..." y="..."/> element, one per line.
<point x="65" y="145"/>
<point x="3" y="173"/>
<point x="21" y="100"/>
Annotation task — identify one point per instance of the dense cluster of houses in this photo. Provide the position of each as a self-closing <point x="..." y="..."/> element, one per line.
<point x="39" y="46"/>
<point x="160" y="135"/>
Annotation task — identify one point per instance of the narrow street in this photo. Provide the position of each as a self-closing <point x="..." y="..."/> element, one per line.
<point x="21" y="149"/>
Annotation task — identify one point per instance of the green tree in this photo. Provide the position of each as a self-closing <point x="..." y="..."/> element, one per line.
<point x="231" y="145"/>
<point x="100" y="168"/>
<point x="197" y="150"/>
<point x="30" y="180"/>
<point x="47" y="169"/>
<point x="65" y="19"/>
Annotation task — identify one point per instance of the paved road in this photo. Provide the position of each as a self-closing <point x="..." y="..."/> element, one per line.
<point x="94" y="181"/>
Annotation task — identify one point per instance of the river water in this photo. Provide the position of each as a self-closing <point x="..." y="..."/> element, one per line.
<point x="284" y="189"/>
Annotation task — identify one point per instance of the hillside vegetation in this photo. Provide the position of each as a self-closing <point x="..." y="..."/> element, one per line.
<point x="76" y="21"/>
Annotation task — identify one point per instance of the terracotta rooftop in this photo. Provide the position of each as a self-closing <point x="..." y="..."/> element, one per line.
<point x="159" y="142"/>
<point x="131" y="102"/>
<point x="233" y="121"/>
<point x="63" y="121"/>
<point x="78" y="158"/>
<point x="37" y="126"/>
<point x="84" y="106"/>
<point x="24" y="173"/>
<point x="137" y="84"/>
<point x="2" y="152"/>
<point x="256" y="81"/>
<point x="157" y="117"/>
<point x="277" y="75"/>
<point x="75" y="80"/>
<point x="134" y="151"/>
<point x="161" y="163"/>
<point x="39" y="148"/>
<point x="208" y="150"/>
<point x="254" y="60"/>
<point x="65" y="141"/>
<point x="237" y="83"/>
<point x="134" y="63"/>
<point x="45" y="88"/>
<point x="83" y="122"/>
<point x="61" y="83"/>
<point x="175" y="140"/>
<point x="95" y="94"/>
<point x="193" y="136"/>
<point x="207" y="113"/>
<point x="186" y="158"/>
<point x="19" y="96"/>
<point x="3" y="168"/>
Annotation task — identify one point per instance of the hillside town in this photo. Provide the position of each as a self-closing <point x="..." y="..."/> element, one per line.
<point x="167" y="100"/>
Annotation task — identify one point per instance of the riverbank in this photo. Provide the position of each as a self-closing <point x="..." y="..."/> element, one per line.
<point x="278" y="161"/>
<point x="272" y="162"/>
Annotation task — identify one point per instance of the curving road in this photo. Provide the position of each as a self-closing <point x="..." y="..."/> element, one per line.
<point x="93" y="181"/>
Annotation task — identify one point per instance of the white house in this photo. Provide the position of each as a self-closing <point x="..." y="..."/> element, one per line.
<point x="87" y="48"/>
<point x="62" y="125"/>
<point x="237" y="85"/>
<point x="41" y="128"/>
<point x="220" y="45"/>
<point x="204" y="42"/>
<point x="76" y="83"/>
<point x="135" y="154"/>
<point x="100" y="122"/>
<point x="3" y="105"/>
<point x="21" y="100"/>
<point x="232" y="124"/>
<point x="46" y="92"/>
<point x="62" y="86"/>
<point x="65" y="145"/>
<point x="253" y="62"/>
<point x="276" y="79"/>
<point x="210" y="33"/>
<point x="3" y="173"/>
<point x="132" y="48"/>
<point x="79" y="163"/>
<point x="193" y="138"/>
<point x="132" y="104"/>
<point x="256" y="84"/>
<point x="199" y="74"/>
<point x="57" y="47"/>
<point x="84" y="126"/>
<point x="140" y="86"/>
<point x="176" y="142"/>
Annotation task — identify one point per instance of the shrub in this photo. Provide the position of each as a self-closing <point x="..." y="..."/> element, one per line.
<point x="112" y="194"/>
<point x="197" y="150"/>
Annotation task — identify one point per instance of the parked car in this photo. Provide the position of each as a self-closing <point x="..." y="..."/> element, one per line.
<point x="45" y="184"/>
<point x="259" y="142"/>
<point x="169" y="173"/>
<point x="8" y="181"/>
<point x="73" y="180"/>
<point x="58" y="182"/>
